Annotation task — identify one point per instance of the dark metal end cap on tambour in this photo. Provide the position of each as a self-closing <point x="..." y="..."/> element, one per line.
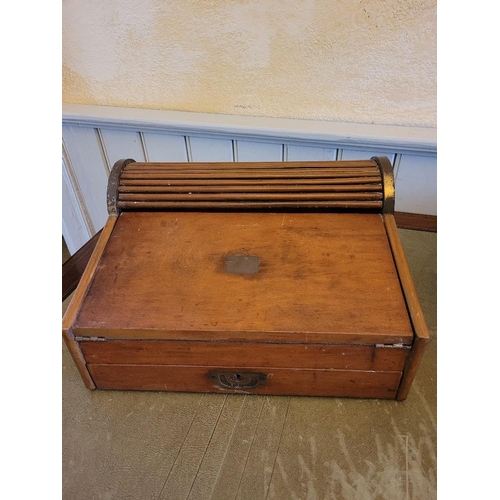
<point x="387" y="172"/>
<point x="113" y="184"/>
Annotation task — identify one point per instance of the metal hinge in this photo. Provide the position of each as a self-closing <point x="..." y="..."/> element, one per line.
<point x="94" y="339"/>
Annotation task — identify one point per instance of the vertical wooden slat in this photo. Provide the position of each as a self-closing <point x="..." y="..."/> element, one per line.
<point x="120" y="144"/>
<point x="416" y="183"/>
<point x="311" y="153"/>
<point x="164" y="147"/>
<point x="258" y="151"/>
<point x="210" y="150"/>
<point x="88" y="167"/>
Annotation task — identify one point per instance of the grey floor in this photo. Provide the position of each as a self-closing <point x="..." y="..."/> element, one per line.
<point x="149" y="445"/>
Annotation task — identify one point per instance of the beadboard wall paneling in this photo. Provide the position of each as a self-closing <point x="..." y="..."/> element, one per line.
<point x="163" y="147"/>
<point x="416" y="184"/>
<point x="120" y="144"/>
<point x="298" y="152"/>
<point x="86" y="168"/>
<point x="209" y="149"/>
<point x="74" y="225"/>
<point x="95" y="137"/>
<point x="258" y="151"/>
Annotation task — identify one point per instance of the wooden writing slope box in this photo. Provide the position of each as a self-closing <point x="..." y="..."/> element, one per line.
<point x="262" y="278"/>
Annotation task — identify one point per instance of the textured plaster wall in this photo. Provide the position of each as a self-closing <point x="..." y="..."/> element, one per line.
<point x="370" y="61"/>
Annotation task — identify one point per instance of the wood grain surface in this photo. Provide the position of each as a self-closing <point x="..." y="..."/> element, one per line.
<point x="416" y="222"/>
<point x="281" y="381"/>
<point x="328" y="278"/>
<point x="84" y="283"/>
<point x="416" y="314"/>
<point x="244" y="354"/>
<point x="72" y="273"/>
<point x="198" y="446"/>
<point x="74" y="267"/>
<point x="73" y="308"/>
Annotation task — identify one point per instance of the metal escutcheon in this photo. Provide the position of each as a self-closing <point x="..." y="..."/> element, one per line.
<point x="237" y="380"/>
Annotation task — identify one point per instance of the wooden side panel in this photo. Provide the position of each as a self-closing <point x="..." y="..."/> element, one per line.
<point x="163" y="147"/>
<point x="417" y="222"/>
<point x="242" y="354"/>
<point x="280" y="381"/>
<point x="416" y="184"/>
<point x="210" y="150"/>
<point x="258" y="151"/>
<point x="419" y="325"/>
<point x="77" y="300"/>
<point x="88" y="274"/>
<point x="75" y="266"/>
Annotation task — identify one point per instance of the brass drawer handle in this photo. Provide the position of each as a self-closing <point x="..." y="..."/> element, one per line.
<point x="237" y="380"/>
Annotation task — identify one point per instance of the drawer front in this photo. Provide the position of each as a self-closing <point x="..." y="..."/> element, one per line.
<point x="241" y="354"/>
<point x="255" y="380"/>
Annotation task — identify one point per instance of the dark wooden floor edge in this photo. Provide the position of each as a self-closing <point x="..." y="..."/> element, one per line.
<point x="417" y="222"/>
<point x="73" y="268"/>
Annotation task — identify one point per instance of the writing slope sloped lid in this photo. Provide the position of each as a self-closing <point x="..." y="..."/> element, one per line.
<point x="289" y="277"/>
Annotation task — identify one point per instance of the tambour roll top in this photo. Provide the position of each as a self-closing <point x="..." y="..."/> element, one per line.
<point x="366" y="185"/>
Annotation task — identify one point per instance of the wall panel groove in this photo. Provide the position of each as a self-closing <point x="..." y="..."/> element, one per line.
<point x="144" y="148"/>
<point x="188" y="149"/>
<point x="105" y="158"/>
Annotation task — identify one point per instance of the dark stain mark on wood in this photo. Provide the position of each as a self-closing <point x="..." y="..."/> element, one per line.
<point x="242" y="264"/>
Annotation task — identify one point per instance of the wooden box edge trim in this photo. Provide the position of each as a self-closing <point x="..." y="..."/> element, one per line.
<point x="78" y="359"/>
<point x="77" y="299"/>
<point x="415" y="312"/>
<point x="88" y="274"/>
